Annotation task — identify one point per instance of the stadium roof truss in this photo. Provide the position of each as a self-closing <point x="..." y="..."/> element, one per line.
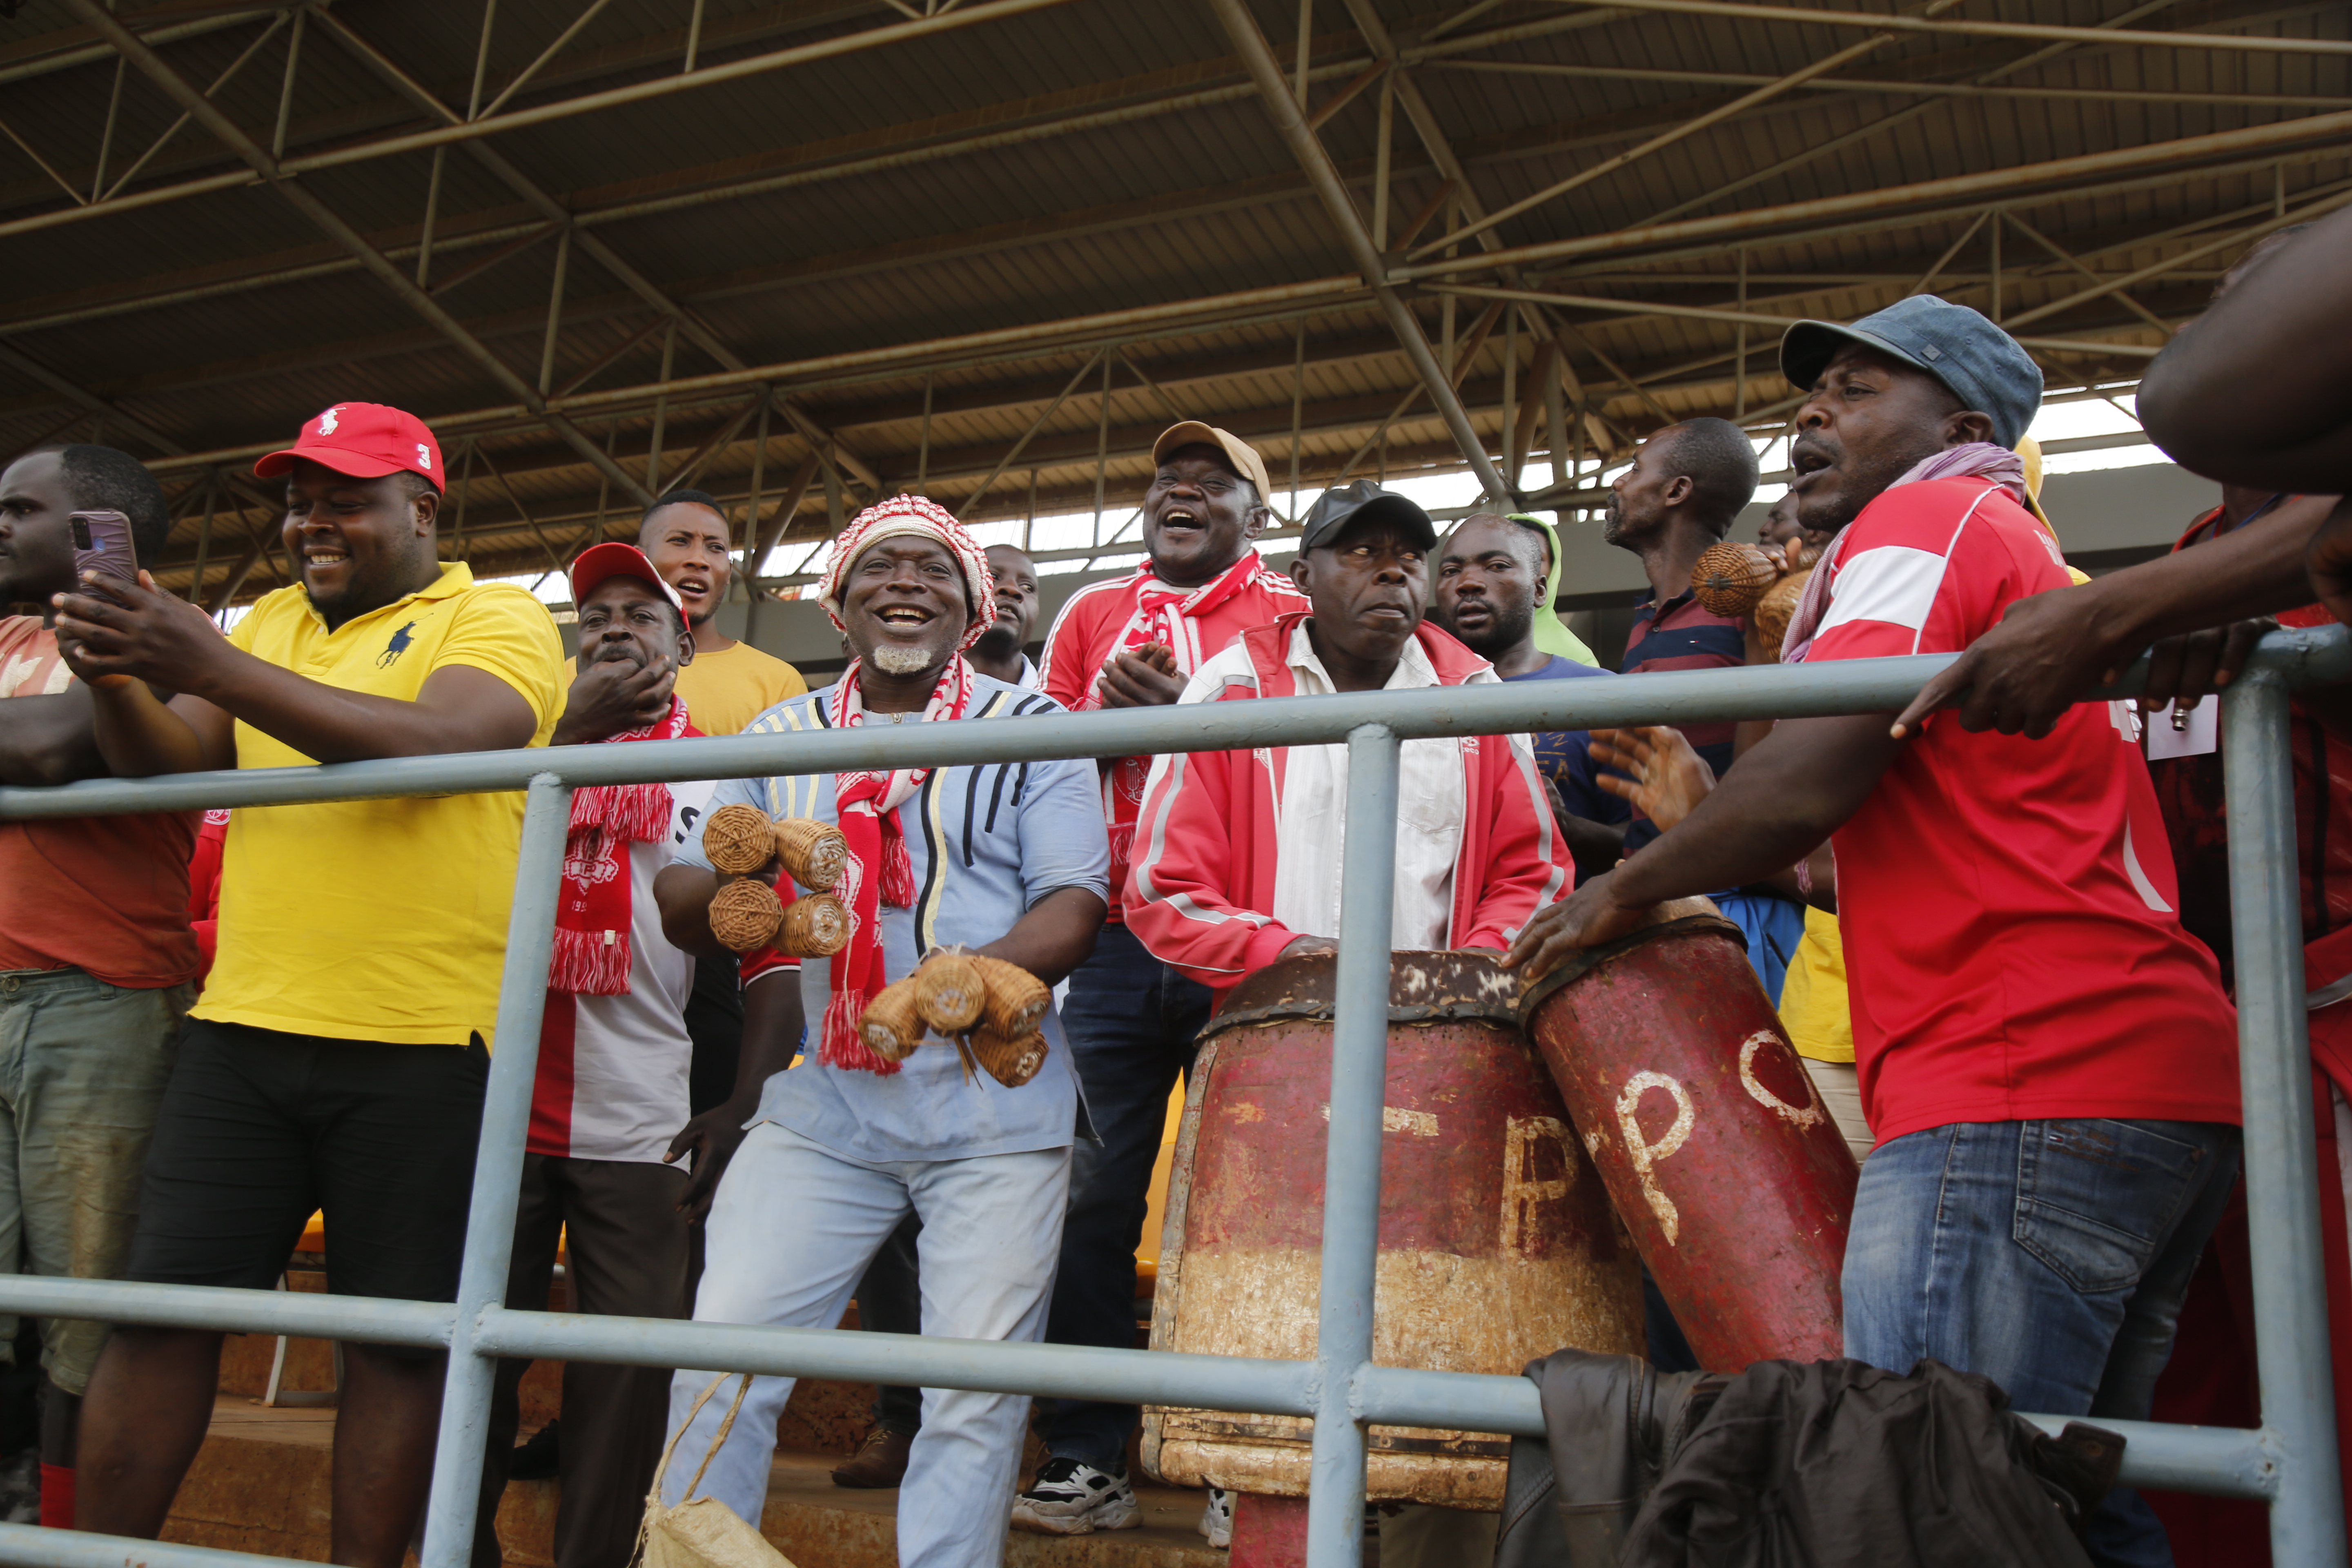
<point x="803" y="253"/>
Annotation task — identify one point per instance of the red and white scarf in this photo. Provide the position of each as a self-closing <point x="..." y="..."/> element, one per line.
<point x="592" y="907"/>
<point x="878" y="871"/>
<point x="1169" y="615"/>
<point x="1165" y="614"/>
<point x="1970" y="459"/>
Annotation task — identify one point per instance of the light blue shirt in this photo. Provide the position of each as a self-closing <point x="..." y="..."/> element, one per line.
<point x="986" y="843"/>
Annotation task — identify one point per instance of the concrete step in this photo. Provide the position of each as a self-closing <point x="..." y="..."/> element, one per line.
<point x="261" y="1484"/>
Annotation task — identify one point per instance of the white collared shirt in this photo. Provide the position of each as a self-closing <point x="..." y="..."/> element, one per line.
<point x="1311" y="827"/>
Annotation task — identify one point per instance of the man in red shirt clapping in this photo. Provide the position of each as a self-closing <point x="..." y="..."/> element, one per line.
<point x="2045" y="1055"/>
<point x="1133" y="642"/>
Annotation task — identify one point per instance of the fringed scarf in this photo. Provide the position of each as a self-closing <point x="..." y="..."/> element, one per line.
<point x="1973" y="459"/>
<point x="879" y="871"/>
<point x="1169" y="615"/>
<point x="593" y="909"/>
<point x="1166" y="614"/>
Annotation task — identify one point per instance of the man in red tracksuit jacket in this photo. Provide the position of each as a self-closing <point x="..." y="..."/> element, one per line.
<point x="1237" y="856"/>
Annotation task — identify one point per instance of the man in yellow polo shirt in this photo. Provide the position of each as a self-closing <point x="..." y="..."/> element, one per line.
<point x="337" y="1058"/>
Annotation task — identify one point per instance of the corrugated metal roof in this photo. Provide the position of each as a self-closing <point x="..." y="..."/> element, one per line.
<point x="217" y="320"/>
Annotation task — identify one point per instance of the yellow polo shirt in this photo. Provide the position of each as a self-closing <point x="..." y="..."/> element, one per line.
<point x="378" y="920"/>
<point x="1814" y="1012"/>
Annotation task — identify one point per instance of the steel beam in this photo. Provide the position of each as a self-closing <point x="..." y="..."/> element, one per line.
<point x="1280" y="107"/>
<point x="1990" y="182"/>
<point x="665" y="86"/>
<point x="67" y="58"/>
<point x="1901" y="117"/>
<point x="1807" y="17"/>
<point x="929" y="249"/>
<point x="181" y="90"/>
<point x="1892" y="88"/>
<point x="574" y="228"/>
<point x="1641" y="308"/>
<point x="448" y="135"/>
<point x="1664" y="139"/>
<point x="2114" y="285"/>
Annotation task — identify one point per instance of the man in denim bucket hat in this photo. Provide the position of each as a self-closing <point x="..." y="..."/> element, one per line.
<point x="2044" y="1055"/>
<point x="1981" y="364"/>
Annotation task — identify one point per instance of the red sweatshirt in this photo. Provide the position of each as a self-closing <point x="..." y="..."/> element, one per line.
<point x="1195" y="624"/>
<point x="1203" y="878"/>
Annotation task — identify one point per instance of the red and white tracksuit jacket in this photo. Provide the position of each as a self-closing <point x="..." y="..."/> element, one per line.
<point x="1205" y="853"/>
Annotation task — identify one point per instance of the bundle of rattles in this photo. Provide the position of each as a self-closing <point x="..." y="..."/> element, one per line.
<point x="992" y="1010"/>
<point x="742" y="842"/>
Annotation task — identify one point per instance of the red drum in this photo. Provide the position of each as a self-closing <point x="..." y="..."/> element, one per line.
<point x="1722" y="1159"/>
<point x="1498" y="1242"/>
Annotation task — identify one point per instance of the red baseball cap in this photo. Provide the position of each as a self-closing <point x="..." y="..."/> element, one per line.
<point x="366" y="440"/>
<point x="611" y="558"/>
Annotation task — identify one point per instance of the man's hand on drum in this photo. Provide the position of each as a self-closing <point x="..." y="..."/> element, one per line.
<point x="1586" y="917"/>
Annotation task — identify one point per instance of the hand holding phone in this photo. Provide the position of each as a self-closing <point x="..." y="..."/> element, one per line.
<point x="101" y="544"/>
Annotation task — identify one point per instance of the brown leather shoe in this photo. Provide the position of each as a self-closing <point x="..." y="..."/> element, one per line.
<point x="880" y="1461"/>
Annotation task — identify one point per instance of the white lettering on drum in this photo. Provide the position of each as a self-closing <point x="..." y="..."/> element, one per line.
<point x="1803" y="1118"/>
<point x="1396" y="1119"/>
<point x="1522" y="1190"/>
<point x="1646" y="1156"/>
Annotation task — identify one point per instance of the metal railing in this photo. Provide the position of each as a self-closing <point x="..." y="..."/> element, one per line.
<point x="2290" y="1462"/>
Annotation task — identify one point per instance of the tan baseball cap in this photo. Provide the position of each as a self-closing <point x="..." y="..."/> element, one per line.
<point x="1238" y="452"/>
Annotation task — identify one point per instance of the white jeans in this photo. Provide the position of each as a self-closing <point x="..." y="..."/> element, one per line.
<point x="792" y="1231"/>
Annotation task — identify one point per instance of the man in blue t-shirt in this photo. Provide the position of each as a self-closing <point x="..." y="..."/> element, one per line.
<point x="1491" y="573"/>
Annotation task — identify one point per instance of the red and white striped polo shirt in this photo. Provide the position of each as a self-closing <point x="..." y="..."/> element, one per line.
<point x="2008" y="905"/>
<point x="612" y="1081"/>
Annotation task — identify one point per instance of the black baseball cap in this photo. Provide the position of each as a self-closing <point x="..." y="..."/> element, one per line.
<point x="1335" y="508"/>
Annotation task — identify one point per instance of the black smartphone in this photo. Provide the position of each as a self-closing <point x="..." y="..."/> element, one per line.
<point x="101" y="544"/>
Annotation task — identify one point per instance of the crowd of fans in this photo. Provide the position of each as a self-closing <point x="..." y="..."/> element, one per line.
<point x="2010" y="977"/>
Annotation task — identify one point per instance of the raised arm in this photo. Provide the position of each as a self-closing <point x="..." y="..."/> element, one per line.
<point x="150" y="635"/>
<point x="2259" y="391"/>
<point x="2051" y="650"/>
<point x="1796" y="787"/>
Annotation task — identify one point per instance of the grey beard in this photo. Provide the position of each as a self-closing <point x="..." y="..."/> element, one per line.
<point x="891" y="658"/>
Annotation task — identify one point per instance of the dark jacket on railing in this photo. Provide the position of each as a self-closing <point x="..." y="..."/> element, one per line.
<point x="1833" y="1463"/>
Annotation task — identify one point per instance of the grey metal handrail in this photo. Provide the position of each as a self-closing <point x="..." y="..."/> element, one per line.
<point x="2290" y="1461"/>
<point x="1671" y="697"/>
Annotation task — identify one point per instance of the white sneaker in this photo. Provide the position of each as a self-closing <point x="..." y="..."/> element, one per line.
<point x="1075" y="1498"/>
<point x="1217" y="1518"/>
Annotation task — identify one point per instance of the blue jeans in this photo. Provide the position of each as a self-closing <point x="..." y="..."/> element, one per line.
<point x="1133" y="1026"/>
<point x="2050" y="1256"/>
<point x="991" y="1225"/>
